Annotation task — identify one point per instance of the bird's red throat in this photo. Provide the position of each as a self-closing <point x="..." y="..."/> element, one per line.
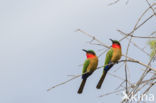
<point x="116" y="46"/>
<point x="90" y="55"/>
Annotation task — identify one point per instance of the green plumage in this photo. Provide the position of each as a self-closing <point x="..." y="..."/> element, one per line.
<point x="108" y="57"/>
<point x="85" y="65"/>
<point x="112" y="56"/>
<point x="89" y="67"/>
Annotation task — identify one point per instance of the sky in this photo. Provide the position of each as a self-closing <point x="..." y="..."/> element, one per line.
<point x="39" y="47"/>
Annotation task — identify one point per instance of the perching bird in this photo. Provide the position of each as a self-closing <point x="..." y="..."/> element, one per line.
<point x="89" y="67"/>
<point x="112" y="56"/>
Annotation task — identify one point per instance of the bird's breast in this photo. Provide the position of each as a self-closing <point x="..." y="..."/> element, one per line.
<point x="116" y="54"/>
<point x="93" y="64"/>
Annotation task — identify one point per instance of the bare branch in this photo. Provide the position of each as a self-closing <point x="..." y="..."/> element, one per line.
<point x="113" y="3"/>
<point x="76" y="76"/>
<point x="136" y="61"/>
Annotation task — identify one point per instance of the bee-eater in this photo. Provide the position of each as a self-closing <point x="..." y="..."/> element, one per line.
<point x="89" y="67"/>
<point x="112" y="56"/>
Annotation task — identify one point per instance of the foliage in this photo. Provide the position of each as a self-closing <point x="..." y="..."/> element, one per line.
<point x="152" y="44"/>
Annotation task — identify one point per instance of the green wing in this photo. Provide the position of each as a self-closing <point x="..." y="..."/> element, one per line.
<point x="85" y="65"/>
<point x="108" y="56"/>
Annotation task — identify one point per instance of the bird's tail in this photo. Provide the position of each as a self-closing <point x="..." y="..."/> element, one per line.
<point x="101" y="80"/>
<point x="82" y="86"/>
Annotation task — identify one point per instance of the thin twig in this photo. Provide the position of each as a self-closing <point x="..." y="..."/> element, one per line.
<point x="141" y="49"/>
<point x="63" y="82"/>
<point x="126" y="79"/>
<point x="151" y="7"/>
<point x="113" y="3"/>
<point x="136" y="61"/>
<point x="76" y="76"/>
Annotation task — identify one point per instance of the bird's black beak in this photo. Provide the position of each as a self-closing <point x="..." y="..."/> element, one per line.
<point x="85" y="50"/>
<point x="111" y="40"/>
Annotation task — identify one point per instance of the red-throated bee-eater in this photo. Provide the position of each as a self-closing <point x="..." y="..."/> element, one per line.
<point x="89" y="67"/>
<point x="112" y="56"/>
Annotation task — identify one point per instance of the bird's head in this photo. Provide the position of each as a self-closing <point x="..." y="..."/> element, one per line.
<point x="89" y="53"/>
<point x="115" y="44"/>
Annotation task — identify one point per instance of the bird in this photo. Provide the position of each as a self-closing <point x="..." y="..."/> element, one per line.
<point x="112" y="56"/>
<point x="89" y="67"/>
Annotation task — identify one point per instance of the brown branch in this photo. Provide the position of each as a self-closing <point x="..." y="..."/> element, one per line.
<point x="111" y="92"/>
<point x="136" y="27"/>
<point x="153" y="69"/>
<point x="136" y="61"/>
<point x="63" y="82"/>
<point x="150" y="6"/>
<point x="144" y="21"/>
<point x="76" y="76"/>
<point x="135" y="90"/>
<point x="138" y="47"/>
<point x="151" y="85"/>
<point x="113" y="3"/>
<point x="144" y="37"/>
<point x="126" y="79"/>
<point x="93" y="37"/>
<point x="154" y="32"/>
<point x="132" y="86"/>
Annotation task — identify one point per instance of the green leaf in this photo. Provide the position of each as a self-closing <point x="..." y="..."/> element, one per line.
<point x="152" y="44"/>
